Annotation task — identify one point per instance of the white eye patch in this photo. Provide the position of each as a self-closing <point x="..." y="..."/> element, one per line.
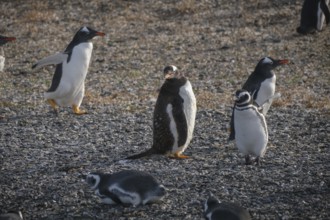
<point x="240" y="95"/>
<point x="267" y="60"/>
<point x="85" y="29"/>
<point x="174" y="68"/>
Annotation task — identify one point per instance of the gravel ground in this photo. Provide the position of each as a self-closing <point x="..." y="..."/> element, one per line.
<point x="44" y="157"/>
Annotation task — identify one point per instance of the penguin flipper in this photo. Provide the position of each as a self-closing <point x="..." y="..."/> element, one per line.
<point x="232" y="128"/>
<point x="53" y="59"/>
<point x="143" y="154"/>
<point x="326" y="11"/>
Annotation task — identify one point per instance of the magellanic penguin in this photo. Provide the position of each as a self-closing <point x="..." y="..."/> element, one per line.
<point x="313" y="15"/>
<point x="250" y="126"/>
<point x="68" y="84"/>
<point x="174" y="116"/>
<point x="3" y="41"/>
<point x="261" y="85"/>
<point x="11" y="216"/>
<point x="128" y="187"/>
<point x="216" y="210"/>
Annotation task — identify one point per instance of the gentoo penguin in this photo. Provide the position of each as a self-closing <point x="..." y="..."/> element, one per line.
<point x="4" y="40"/>
<point x="126" y="187"/>
<point x="261" y="85"/>
<point x="11" y="216"/>
<point x="313" y="14"/>
<point x="174" y="116"/>
<point x="250" y="126"/>
<point x="215" y="210"/>
<point x="68" y="84"/>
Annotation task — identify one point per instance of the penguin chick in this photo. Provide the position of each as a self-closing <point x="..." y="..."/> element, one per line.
<point x="3" y="41"/>
<point x="313" y="14"/>
<point x="261" y="85"/>
<point x="126" y="187"/>
<point x="214" y="210"/>
<point x="68" y="84"/>
<point x="250" y="126"/>
<point x="174" y="116"/>
<point x="11" y="216"/>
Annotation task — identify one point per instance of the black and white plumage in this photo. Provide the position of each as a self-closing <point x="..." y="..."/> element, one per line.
<point x="250" y="126"/>
<point x="126" y="187"/>
<point x="313" y="15"/>
<point x="11" y="216"/>
<point x="3" y="41"/>
<point x="216" y="210"/>
<point x="68" y="84"/>
<point x="261" y="85"/>
<point x="174" y="116"/>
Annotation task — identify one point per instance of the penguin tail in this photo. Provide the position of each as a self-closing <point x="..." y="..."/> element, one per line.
<point x="143" y="154"/>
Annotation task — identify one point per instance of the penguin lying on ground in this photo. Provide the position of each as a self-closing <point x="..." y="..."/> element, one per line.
<point x="261" y="85"/>
<point x="3" y="41"/>
<point x="313" y="14"/>
<point x="68" y="84"/>
<point x="174" y="116"/>
<point x="126" y="187"/>
<point x="214" y="210"/>
<point x="250" y="126"/>
<point x="11" y="216"/>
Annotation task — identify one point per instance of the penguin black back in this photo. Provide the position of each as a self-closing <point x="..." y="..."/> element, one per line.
<point x="214" y="210"/>
<point x="169" y="95"/>
<point x="311" y="16"/>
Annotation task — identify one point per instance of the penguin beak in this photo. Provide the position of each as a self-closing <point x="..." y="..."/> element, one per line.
<point x="282" y="62"/>
<point x="9" y="39"/>
<point x="99" y="34"/>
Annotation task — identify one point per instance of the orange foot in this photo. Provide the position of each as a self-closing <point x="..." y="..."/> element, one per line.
<point x="53" y="104"/>
<point x="178" y="155"/>
<point x="77" y="111"/>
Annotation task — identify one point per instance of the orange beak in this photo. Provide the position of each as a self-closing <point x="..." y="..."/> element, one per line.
<point x="100" y="34"/>
<point x="283" y="62"/>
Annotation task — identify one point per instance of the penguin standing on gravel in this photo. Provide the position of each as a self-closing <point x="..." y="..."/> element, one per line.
<point x="68" y="84"/>
<point x="313" y="15"/>
<point x="215" y="210"/>
<point x="126" y="187"/>
<point x="250" y="126"/>
<point x="261" y="85"/>
<point x="3" y="41"/>
<point x="174" y="116"/>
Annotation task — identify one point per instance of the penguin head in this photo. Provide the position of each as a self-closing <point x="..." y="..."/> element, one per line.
<point x="85" y="34"/>
<point x="242" y="97"/>
<point x="93" y="180"/>
<point x="268" y="63"/>
<point x="4" y="40"/>
<point x="211" y="202"/>
<point x="171" y="72"/>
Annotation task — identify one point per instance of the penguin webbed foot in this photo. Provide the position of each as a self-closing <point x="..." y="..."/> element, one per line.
<point x="178" y="156"/>
<point x="248" y="160"/>
<point x="77" y="111"/>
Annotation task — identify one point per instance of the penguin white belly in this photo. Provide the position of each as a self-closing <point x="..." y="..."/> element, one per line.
<point x="250" y="132"/>
<point x="71" y="87"/>
<point x="189" y="109"/>
<point x="2" y="63"/>
<point x="266" y="91"/>
<point x="173" y="128"/>
<point x="320" y="15"/>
